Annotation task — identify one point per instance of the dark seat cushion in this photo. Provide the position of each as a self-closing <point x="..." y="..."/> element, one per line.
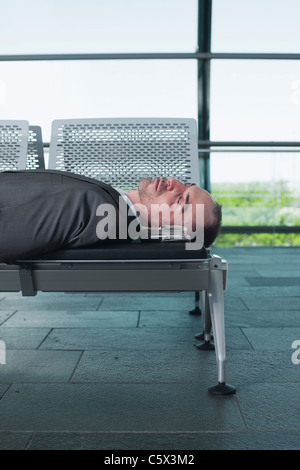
<point x="126" y="250"/>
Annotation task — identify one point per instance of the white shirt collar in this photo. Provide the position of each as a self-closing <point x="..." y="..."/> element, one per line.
<point x="127" y="200"/>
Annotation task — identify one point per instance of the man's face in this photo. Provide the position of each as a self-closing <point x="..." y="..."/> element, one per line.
<point x="179" y="198"/>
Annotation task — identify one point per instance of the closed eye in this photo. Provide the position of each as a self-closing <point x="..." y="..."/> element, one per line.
<point x="185" y="202"/>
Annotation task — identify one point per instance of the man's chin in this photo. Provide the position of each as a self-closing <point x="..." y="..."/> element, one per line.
<point x="144" y="182"/>
<point x="143" y="185"/>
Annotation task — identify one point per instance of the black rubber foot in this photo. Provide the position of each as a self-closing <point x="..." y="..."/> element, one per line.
<point x="200" y="336"/>
<point x="206" y="346"/>
<point x="222" y="389"/>
<point x="195" y="311"/>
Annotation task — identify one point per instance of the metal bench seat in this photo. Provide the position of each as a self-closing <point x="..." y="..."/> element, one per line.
<point x="127" y="250"/>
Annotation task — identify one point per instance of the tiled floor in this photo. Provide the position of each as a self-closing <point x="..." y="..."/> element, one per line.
<point x="122" y="371"/>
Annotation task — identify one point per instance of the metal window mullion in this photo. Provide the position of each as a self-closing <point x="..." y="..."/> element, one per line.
<point x="204" y="46"/>
<point x="198" y="55"/>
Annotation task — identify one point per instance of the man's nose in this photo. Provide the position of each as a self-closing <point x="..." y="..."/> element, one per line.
<point x="173" y="183"/>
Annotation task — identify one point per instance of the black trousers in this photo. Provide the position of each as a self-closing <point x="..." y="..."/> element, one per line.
<point x="41" y="211"/>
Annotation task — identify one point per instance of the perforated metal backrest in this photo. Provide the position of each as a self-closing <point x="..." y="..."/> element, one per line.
<point x="13" y="144"/>
<point x="121" y="152"/>
<point x="35" y="151"/>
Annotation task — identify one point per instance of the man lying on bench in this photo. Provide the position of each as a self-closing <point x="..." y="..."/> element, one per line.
<point x="45" y="210"/>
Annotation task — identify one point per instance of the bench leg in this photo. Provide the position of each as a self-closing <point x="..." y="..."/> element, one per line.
<point x="206" y="335"/>
<point x="216" y="305"/>
<point x="196" y="310"/>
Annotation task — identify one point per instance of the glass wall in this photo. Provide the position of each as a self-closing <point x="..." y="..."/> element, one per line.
<point x="41" y="91"/>
<point x="255" y="26"/>
<point x="256" y="100"/>
<point x="97" y="26"/>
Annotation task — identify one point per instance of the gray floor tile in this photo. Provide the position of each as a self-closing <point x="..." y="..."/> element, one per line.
<point x="115" y="441"/>
<point x="136" y="339"/>
<point x="72" y="319"/>
<point x="38" y="366"/>
<point x="163" y="366"/>
<point x="272" y="338"/>
<point x="262" y="318"/>
<point x="3" y="387"/>
<point x="162" y="441"/>
<point x="249" y="441"/>
<point x="235" y="340"/>
<point x="282" y="282"/>
<point x="20" y="338"/>
<point x="262" y="291"/>
<point x="5" y="314"/>
<point x="235" y="282"/>
<point x="268" y="303"/>
<point x="115" y="371"/>
<point x="270" y="407"/>
<point x="286" y="271"/>
<point x="232" y="302"/>
<point x="169" y="319"/>
<point x="261" y="367"/>
<point x="120" y="407"/>
<point x="14" y="440"/>
<point x="67" y="302"/>
<point x="150" y="295"/>
<point x="142" y="302"/>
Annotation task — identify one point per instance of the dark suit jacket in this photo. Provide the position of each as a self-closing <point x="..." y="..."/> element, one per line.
<point x="45" y="210"/>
